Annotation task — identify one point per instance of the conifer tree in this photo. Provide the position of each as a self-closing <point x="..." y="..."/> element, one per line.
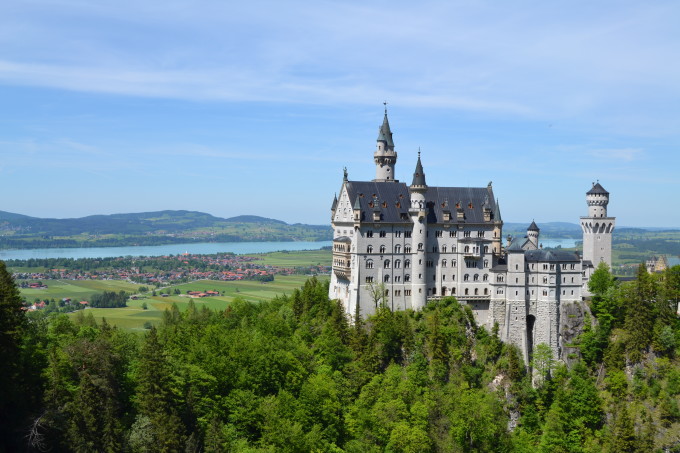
<point x="13" y="325"/>
<point x="639" y="316"/>
<point x="155" y="399"/>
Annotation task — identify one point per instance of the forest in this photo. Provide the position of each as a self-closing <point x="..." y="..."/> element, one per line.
<point x="295" y="375"/>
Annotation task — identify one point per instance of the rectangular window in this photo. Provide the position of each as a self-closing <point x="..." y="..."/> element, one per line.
<point x="397" y="234"/>
<point x="439" y="233"/>
<point x="407" y="292"/>
<point x="452" y="234"/>
<point x="383" y="233"/>
<point x="369" y="234"/>
<point x="407" y="234"/>
<point x="369" y="279"/>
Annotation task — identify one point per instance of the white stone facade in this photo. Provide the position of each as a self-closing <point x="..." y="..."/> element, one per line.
<point x="406" y="245"/>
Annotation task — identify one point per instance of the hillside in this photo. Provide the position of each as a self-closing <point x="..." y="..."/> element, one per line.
<point x="148" y="228"/>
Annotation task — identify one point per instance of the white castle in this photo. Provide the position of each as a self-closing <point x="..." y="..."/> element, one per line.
<point x="403" y="246"/>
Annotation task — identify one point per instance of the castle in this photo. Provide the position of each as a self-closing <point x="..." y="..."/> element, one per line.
<point x="403" y="245"/>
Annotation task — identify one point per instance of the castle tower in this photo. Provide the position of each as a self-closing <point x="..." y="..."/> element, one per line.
<point x="597" y="227"/>
<point x="418" y="214"/>
<point x="532" y="233"/>
<point x="385" y="157"/>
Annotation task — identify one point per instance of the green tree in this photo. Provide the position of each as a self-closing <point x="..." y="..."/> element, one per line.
<point x="623" y="434"/>
<point x="639" y="319"/>
<point x="13" y="326"/>
<point x="543" y="362"/>
<point x="156" y="401"/>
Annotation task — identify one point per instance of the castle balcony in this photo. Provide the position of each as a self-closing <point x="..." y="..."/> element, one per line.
<point x="342" y="271"/>
<point x="472" y="253"/>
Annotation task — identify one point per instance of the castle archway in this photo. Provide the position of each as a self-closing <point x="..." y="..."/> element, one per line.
<point x="531" y="320"/>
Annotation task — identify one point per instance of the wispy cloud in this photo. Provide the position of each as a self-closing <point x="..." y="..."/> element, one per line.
<point x="620" y="154"/>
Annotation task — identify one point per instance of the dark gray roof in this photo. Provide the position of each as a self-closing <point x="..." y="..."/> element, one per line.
<point x="342" y="239"/>
<point x="517" y="245"/>
<point x="419" y="174"/>
<point x="385" y="134"/>
<point x="469" y="199"/>
<point x="551" y="255"/>
<point x="597" y="190"/>
<point x="335" y="203"/>
<point x="533" y="227"/>
<point x="392" y="199"/>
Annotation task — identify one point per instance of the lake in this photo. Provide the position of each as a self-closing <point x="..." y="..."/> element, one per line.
<point x="203" y="248"/>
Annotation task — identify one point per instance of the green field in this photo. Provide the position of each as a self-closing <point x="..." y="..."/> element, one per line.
<point x="133" y="317"/>
<point x="296" y="259"/>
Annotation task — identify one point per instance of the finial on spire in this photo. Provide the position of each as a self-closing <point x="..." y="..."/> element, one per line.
<point x="419" y="152"/>
<point x="385" y="104"/>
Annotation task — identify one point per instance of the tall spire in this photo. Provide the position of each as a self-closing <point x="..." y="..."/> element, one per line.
<point x="419" y="175"/>
<point x="385" y="134"/>
<point x="385" y="157"/>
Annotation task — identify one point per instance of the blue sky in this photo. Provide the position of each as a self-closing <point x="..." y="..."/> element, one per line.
<point x="255" y="107"/>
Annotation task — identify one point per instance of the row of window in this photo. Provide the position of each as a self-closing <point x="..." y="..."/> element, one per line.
<point x="438" y="233"/>
<point x="429" y="263"/>
<point x="435" y="249"/>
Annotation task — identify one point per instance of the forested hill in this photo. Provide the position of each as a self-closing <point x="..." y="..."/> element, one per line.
<point x="292" y="375"/>
<point x="148" y="228"/>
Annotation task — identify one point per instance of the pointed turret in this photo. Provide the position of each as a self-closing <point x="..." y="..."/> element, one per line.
<point x="385" y="134"/>
<point x="385" y="157"/>
<point x="497" y="212"/>
<point x="532" y="233"/>
<point x="418" y="175"/>
<point x="335" y="202"/>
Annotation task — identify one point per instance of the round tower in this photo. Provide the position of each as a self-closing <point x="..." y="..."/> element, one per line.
<point x="385" y="157"/>
<point x="533" y="232"/>
<point x="418" y="214"/>
<point x="597" y="227"/>
<point x="597" y="199"/>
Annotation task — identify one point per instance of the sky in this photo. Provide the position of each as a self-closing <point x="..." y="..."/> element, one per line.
<point x="235" y="107"/>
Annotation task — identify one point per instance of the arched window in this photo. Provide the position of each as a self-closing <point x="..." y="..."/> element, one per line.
<point x="467" y="249"/>
<point x="467" y="291"/>
<point x="386" y="264"/>
<point x="386" y="278"/>
<point x="486" y="263"/>
<point x="443" y="249"/>
<point x="476" y="291"/>
<point x="369" y="264"/>
<point x="485" y="278"/>
<point x="397" y="264"/>
<point x="466" y="277"/>
<point x="453" y="290"/>
<point x="407" y="249"/>
<point x="486" y="291"/>
<point x="407" y="264"/>
<point x="420" y="246"/>
<point x="382" y="249"/>
<point x="476" y="277"/>
<point x="443" y="263"/>
<point x="397" y="248"/>
<point x="444" y="290"/>
<point x="407" y="277"/>
<point x="369" y="249"/>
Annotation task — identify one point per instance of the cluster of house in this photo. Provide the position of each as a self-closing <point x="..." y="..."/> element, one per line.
<point x="199" y="294"/>
<point x="43" y="303"/>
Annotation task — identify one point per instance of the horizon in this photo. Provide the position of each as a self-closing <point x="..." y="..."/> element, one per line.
<point x="257" y="107"/>
<point x="549" y="222"/>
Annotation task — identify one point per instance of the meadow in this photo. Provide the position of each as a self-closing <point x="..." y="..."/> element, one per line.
<point x="134" y="316"/>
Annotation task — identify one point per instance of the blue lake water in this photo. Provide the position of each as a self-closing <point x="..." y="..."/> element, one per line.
<point x="163" y="250"/>
<point x="202" y="248"/>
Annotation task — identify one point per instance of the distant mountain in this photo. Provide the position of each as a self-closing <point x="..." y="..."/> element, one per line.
<point x="148" y="228"/>
<point x="253" y="219"/>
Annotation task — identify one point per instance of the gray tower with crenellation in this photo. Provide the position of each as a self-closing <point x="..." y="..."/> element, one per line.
<point x="597" y="227"/>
